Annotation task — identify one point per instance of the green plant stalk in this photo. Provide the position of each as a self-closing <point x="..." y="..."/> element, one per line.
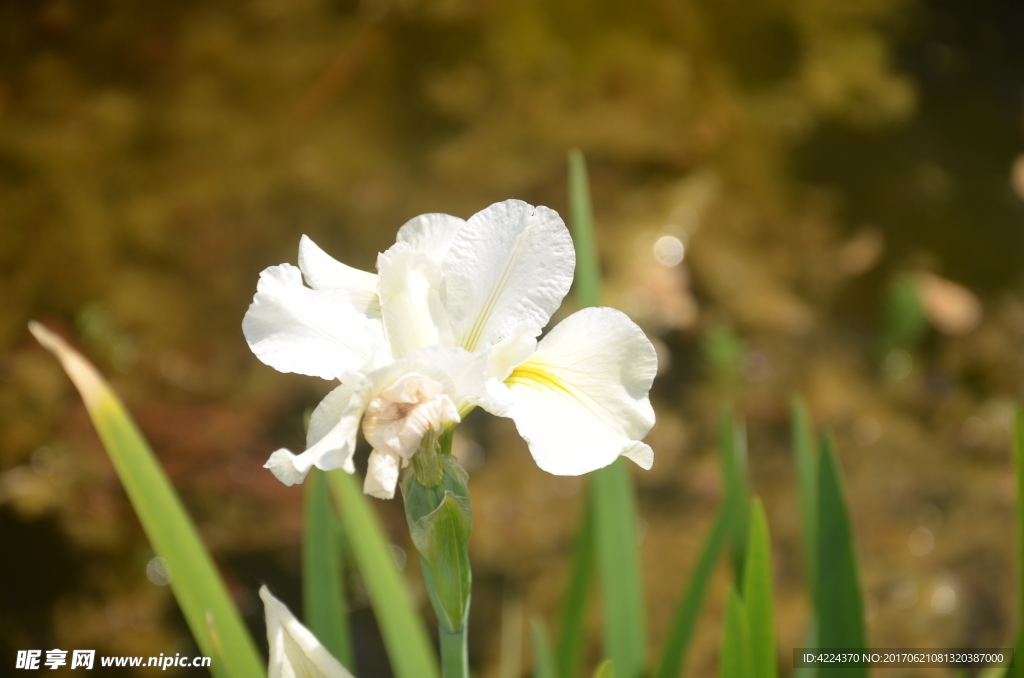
<point x="611" y="497"/>
<point x="322" y="572"/>
<point x="571" y="635"/>
<point x="543" y="659"/>
<point x="405" y="638"/>
<point x="454" y="654"/>
<point x="440" y="521"/>
<point x="205" y="602"/>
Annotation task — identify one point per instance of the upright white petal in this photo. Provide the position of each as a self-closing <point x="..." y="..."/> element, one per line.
<point x="581" y="400"/>
<point x="431" y="234"/>
<point x="319" y="333"/>
<point x="510" y="263"/>
<point x="324" y="272"/>
<point x="294" y="650"/>
<point x="410" y="286"/>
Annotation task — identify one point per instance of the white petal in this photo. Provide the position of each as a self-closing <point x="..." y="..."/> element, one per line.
<point x="382" y="474"/>
<point x="314" y="332"/>
<point x="410" y="299"/>
<point x="511" y="263"/>
<point x="327" y="414"/>
<point x="324" y="272"/>
<point x="431" y="234"/>
<point x="519" y="345"/>
<point x="294" y="650"/>
<point x="330" y="439"/>
<point x="582" y="399"/>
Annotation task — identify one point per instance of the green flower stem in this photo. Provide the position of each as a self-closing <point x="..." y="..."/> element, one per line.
<point x="454" y="654"/>
<point x="440" y="519"/>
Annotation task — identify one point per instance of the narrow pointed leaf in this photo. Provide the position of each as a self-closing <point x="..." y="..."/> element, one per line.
<point x="605" y="670"/>
<point x="543" y="658"/>
<point x="736" y="660"/>
<point x="322" y="575"/>
<point x="757" y="594"/>
<point x="617" y="549"/>
<point x="572" y="634"/>
<point x="205" y="602"/>
<point x="840" y="605"/>
<point x="587" y="279"/>
<point x="807" y="480"/>
<point x="405" y="637"/>
<point x="611" y="497"/>
<point x="685" y="620"/>
<point x="733" y="451"/>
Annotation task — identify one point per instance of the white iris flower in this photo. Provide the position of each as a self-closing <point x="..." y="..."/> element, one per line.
<point x="294" y="650"/>
<point x="450" y="322"/>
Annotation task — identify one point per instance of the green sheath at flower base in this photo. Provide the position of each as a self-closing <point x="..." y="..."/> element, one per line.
<point x="440" y="521"/>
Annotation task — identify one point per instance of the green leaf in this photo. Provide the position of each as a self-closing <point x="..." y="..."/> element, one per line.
<point x="736" y="660"/>
<point x="440" y="521"/>
<point x="807" y="479"/>
<point x="405" y="637"/>
<point x="681" y="632"/>
<point x="733" y="451"/>
<point x="211" y="615"/>
<point x="618" y="560"/>
<point x="605" y="670"/>
<point x="757" y="595"/>
<point x="543" y="659"/>
<point x="840" y="604"/>
<point x="569" y="652"/>
<point x="587" y="279"/>
<point x="611" y="497"/>
<point x="322" y="574"/>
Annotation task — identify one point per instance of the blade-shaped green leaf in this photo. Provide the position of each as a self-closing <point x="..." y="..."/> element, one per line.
<point x="840" y="604"/>
<point x="323" y="592"/>
<point x="757" y="594"/>
<point x="685" y="619"/>
<point x="215" y="623"/>
<point x="543" y="659"/>
<point x="569" y="652"/>
<point x="618" y="561"/>
<point x="736" y="660"/>
<point x="605" y="670"/>
<point x="611" y="497"/>
<point x="733" y="452"/>
<point x="807" y="479"/>
<point x="404" y="635"/>
<point x="587" y="279"/>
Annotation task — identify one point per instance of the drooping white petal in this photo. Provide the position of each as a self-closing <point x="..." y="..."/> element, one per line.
<point x="410" y="299"/>
<point x="382" y="470"/>
<point x="294" y="651"/>
<point x="431" y="234"/>
<point x="324" y="272"/>
<point x="319" y="333"/>
<point x="510" y="263"/>
<point x="581" y="400"/>
<point x="330" y="439"/>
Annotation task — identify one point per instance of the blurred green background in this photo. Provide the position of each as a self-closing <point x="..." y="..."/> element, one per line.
<point x="822" y="196"/>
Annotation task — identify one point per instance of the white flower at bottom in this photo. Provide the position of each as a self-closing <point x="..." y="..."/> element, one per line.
<point x="294" y="650"/>
<point x="394" y="424"/>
